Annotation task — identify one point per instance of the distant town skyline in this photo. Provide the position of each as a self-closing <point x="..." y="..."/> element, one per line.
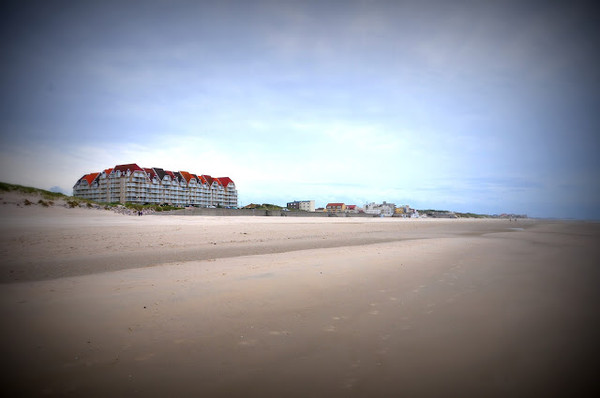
<point x="469" y="106"/>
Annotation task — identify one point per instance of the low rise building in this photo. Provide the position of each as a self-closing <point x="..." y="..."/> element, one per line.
<point x="383" y="209"/>
<point x="305" y="205"/>
<point x="406" y="211"/>
<point x="353" y="209"/>
<point x="335" y="207"/>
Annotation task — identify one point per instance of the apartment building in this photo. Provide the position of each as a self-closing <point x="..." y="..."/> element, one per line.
<point x="134" y="184"/>
<point x="385" y="209"/>
<point x="305" y="205"/>
<point x="335" y="207"/>
<point x="354" y="209"/>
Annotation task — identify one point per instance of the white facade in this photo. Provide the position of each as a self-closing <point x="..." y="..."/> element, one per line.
<point x="306" y="205"/>
<point x="132" y="184"/>
<point x="384" y="209"/>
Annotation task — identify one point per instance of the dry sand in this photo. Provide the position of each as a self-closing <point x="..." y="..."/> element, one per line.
<point x="99" y="304"/>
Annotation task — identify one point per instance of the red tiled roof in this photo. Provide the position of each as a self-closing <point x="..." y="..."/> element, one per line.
<point x="90" y="177"/>
<point x="125" y="167"/>
<point x="225" y="181"/>
<point x="350" y="207"/>
<point x="150" y="172"/>
<point x="208" y="179"/>
<point x="158" y="172"/>
<point x="187" y="176"/>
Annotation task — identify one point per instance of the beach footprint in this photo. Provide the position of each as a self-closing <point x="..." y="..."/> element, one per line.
<point x="279" y="333"/>
<point x="374" y="311"/>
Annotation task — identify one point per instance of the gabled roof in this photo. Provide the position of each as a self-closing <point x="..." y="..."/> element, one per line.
<point x="131" y="166"/>
<point x="335" y="204"/>
<point x="171" y="174"/>
<point x="187" y="176"/>
<point x="91" y="177"/>
<point x="160" y="173"/>
<point x="225" y="181"/>
<point x="151" y="173"/>
<point x="208" y="179"/>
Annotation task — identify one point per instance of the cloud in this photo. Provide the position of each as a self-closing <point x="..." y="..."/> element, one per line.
<point x="486" y="104"/>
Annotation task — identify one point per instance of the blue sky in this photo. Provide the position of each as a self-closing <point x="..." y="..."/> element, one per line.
<point x="483" y="106"/>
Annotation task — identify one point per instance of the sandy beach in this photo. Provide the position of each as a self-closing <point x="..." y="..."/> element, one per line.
<point x="100" y="304"/>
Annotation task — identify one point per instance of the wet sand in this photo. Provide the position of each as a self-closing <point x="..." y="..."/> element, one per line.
<point x="97" y="304"/>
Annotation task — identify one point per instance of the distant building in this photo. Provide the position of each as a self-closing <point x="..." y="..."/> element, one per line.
<point x="353" y="209"/>
<point x="406" y="211"/>
<point x="305" y="205"/>
<point x="403" y="209"/>
<point x="335" y="207"/>
<point x="130" y="183"/>
<point x="384" y="209"/>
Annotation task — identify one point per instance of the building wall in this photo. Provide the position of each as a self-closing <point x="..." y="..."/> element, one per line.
<point x="384" y="209"/>
<point x="307" y="205"/>
<point x="336" y="207"/>
<point x="136" y="187"/>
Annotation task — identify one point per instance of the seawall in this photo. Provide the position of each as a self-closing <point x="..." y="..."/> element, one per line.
<point x="255" y="212"/>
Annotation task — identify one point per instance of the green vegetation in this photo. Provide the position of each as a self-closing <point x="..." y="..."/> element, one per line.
<point x="138" y="207"/>
<point x="433" y="213"/>
<point x="264" y="206"/>
<point x="29" y="190"/>
<point x="73" y="203"/>
<point x="471" y="215"/>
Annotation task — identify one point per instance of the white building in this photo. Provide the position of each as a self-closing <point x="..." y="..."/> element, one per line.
<point x="131" y="183"/>
<point x="384" y="209"/>
<point x="306" y="205"/>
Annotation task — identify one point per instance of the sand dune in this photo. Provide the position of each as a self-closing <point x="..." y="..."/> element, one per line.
<point x="98" y="304"/>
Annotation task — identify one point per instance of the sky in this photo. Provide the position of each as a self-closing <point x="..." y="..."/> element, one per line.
<point x="474" y="106"/>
